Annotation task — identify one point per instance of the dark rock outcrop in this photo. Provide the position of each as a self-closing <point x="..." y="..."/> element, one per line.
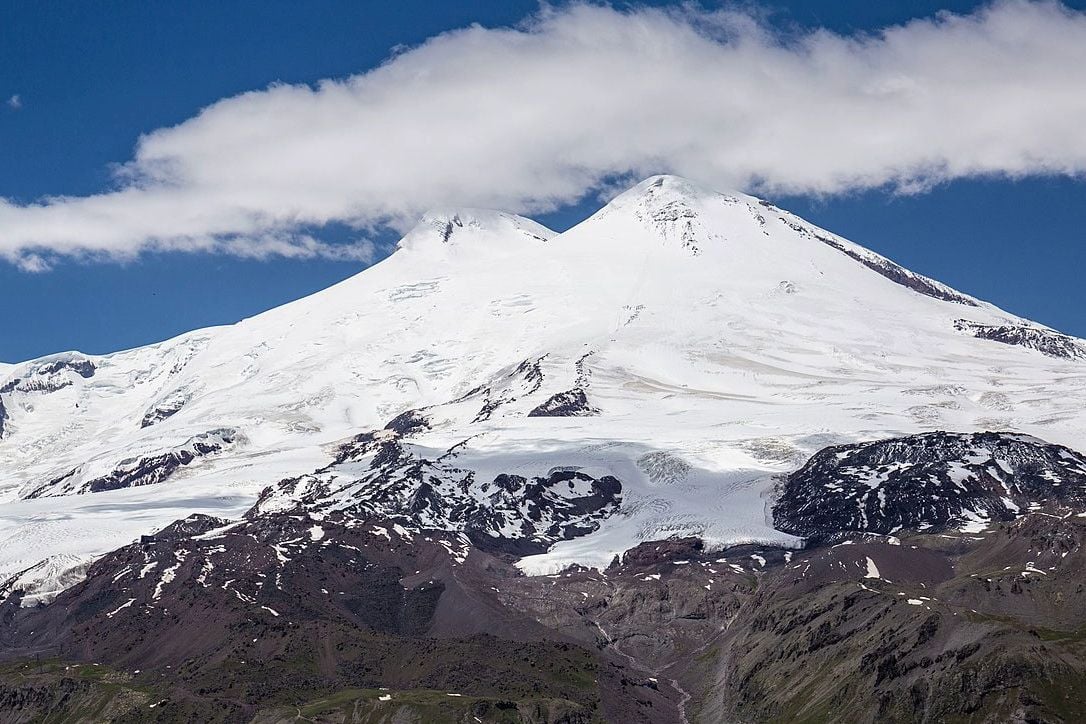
<point x="409" y="422"/>
<point x="213" y="622"/>
<point x="164" y="409"/>
<point x="156" y="468"/>
<point x="651" y="553"/>
<point x="50" y="376"/>
<point x="379" y="475"/>
<point x="937" y="478"/>
<point x="904" y="633"/>
<point x="146" y="470"/>
<point x="229" y="622"/>
<point x="1045" y="341"/>
<point x="525" y="380"/>
<point x="572" y="403"/>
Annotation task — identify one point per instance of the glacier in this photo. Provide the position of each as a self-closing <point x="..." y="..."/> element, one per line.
<point x="695" y="345"/>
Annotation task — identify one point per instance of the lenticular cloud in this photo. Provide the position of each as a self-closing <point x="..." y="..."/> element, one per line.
<point x="529" y="118"/>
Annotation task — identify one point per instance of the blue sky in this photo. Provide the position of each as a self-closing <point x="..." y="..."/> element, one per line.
<point x="82" y="84"/>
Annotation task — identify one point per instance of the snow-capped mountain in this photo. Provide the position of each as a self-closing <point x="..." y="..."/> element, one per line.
<point x="650" y="373"/>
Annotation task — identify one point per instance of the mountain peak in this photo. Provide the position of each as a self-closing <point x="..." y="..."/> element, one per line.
<point x="677" y="185"/>
<point x="680" y="212"/>
<point x="490" y="374"/>
<point x="472" y="227"/>
<point x="662" y="189"/>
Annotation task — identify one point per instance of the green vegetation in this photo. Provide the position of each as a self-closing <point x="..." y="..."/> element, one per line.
<point x="433" y="680"/>
<point x="56" y="692"/>
<point x="426" y="705"/>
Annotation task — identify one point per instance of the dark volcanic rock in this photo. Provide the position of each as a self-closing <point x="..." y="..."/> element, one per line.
<point x="156" y="468"/>
<point x="1045" y="341"/>
<point x="163" y="410"/>
<point x="50" y="376"/>
<point x="828" y="639"/>
<point x="82" y="367"/>
<point x="259" y="613"/>
<point x="541" y="510"/>
<point x="196" y="524"/>
<point x="571" y="403"/>
<point x="525" y="380"/>
<point x="256" y="620"/>
<point x="146" y="470"/>
<point x="381" y="475"/>
<point x="408" y="422"/>
<point x="935" y="478"/>
<point x="30" y="700"/>
<point x="651" y="553"/>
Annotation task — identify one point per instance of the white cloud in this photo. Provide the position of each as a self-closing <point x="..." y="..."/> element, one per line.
<point x="15" y="102"/>
<point x="529" y="118"/>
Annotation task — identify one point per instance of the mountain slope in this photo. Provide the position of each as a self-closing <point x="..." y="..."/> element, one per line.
<point x="689" y="344"/>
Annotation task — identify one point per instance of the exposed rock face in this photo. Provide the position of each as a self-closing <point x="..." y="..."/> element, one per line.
<point x="50" y="375"/>
<point x="285" y="602"/>
<point x="714" y="318"/>
<point x="771" y="342"/>
<point x="31" y="700"/>
<point x="935" y="478"/>
<point x="919" y="632"/>
<point x="146" y="470"/>
<point x="406" y="423"/>
<point x="572" y="403"/>
<point x="45" y="376"/>
<point x="191" y="527"/>
<point x="979" y="628"/>
<point x="931" y="628"/>
<point x="524" y="381"/>
<point x="381" y="474"/>
<point x="666" y="207"/>
<point x="656" y="552"/>
<point x="164" y="409"/>
<point x="1045" y="341"/>
<point x="82" y="367"/>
